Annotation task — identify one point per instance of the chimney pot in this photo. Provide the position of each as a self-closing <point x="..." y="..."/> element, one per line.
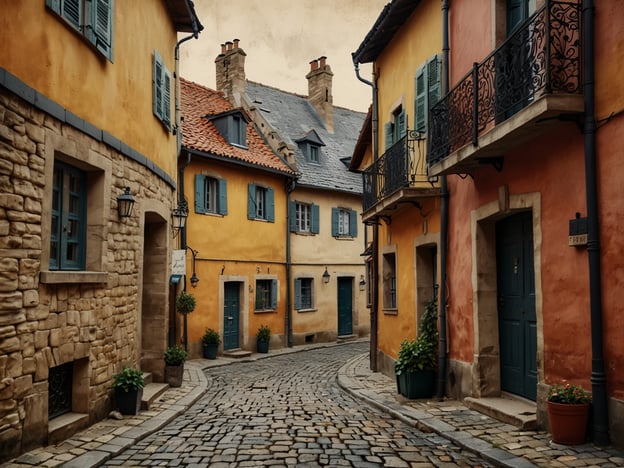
<point x="313" y="65"/>
<point x="236" y="41"/>
<point x="322" y="60"/>
<point x="222" y="49"/>
<point x="229" y="45"/>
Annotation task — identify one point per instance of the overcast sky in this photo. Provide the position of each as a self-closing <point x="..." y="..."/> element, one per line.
<point x="281" y="37"/>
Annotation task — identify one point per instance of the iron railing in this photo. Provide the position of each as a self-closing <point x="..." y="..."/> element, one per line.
<point x="401" y="166"/>
<point x="542" y="57"/>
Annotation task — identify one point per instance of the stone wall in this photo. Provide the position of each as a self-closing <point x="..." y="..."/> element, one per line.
<point x="50" y="318"/>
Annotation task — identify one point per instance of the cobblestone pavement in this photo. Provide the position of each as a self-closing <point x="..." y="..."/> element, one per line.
<point x="289" y="411"/>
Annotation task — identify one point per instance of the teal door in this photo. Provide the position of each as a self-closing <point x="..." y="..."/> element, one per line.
<point x="345" y="306"/>
<point x="231" y="315"/>
<point x="516" y="305"/>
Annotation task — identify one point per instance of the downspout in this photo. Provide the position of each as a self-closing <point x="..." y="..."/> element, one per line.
<point x="290" y="187"/>
<point x="444" y="217"/>
<point x="598" y="376"/>
<point x="375" y="253"/>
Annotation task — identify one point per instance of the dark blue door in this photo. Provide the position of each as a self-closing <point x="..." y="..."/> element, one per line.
<point x="516" y="305"/>
<point x="231" y="315"/>
<point x="345" y="306"/>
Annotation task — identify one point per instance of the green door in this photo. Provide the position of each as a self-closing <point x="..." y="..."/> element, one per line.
<point x="516" y="305"/>
<point x="345" y="306"/>
<point x="231" y="315"/>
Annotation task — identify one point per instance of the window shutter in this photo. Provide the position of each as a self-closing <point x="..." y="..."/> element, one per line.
<point x="401" y="122"/>
<point x="273" y="294"/>
<point x="420" y="110"/>
<point x="251" y="202"/>
<point x="222" y="185"/>
<point x="433" y="81"/>
<point x="71" y="10"/>
<point x="297" y="294"/>
<point x="315" y="219"/>
<point x="353" y="222"/>
<point x="258" y="297"/>
<point x="292" y="216"/>
<point x="388" y="130"/>
<point x="335" y="221"/>
<point x="54" y="5"/>
<point x="100" y="31"/>
<point x="157" y="85"/>
<point x="200" y="194"/>
<point x="270" y="204"/>
<point x="166" y="94"/>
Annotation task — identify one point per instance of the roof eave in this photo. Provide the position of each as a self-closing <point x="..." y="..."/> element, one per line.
<point x="183" y="16"/>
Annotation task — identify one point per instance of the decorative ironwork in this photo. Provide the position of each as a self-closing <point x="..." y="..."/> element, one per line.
<point x="60" y="390"/>
<point x="542" y="57"/>
<point x="401" y="166"/>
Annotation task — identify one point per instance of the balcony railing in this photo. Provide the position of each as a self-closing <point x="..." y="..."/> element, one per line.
<point x="542" y="57"/>
<point x="402" y="166"/>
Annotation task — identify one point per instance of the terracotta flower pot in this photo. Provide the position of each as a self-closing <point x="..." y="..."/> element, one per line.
<point x="568" y="422"/>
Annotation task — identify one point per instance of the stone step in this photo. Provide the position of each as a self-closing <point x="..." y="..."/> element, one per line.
<point x="236" y="353"/>
<point x="515" y="411"/>
<point x="151" y="391"/>
<point x="344" y="338"/>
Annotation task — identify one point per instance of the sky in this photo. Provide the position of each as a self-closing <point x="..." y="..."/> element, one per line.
<point x="281" y="37"/>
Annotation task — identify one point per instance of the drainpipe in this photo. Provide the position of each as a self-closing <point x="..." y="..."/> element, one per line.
<point x="598" y="376"/>
<point x="444" y="217"/>
<point x="375" y="253"/>
<point x="290" y="187"/>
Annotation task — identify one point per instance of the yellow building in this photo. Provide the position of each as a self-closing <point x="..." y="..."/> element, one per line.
<point x="401" y="203"/>
<point x="86" y="125"/>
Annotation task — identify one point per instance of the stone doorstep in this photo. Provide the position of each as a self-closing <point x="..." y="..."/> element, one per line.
<point x="237" y="353"/>
<point x="151" y="392"/>
<point x="346" y="338"/>
<point x="64" y="426"/>
<point x="515" y="411"/>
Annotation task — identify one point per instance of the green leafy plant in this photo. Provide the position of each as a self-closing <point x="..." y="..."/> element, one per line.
<point x="129" y="379"/>
<point x="568" y="394"/>
<point x="175" y="356"/>
<point x="421" y="353"/>
<point x="185" y="303"/>
<point x="211" y="337"/>
<point x="264" y="333"/>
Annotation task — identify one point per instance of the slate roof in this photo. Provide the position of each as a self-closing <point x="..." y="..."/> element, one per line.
<point x="200" y="135"/>
<point x="294" y="117"/>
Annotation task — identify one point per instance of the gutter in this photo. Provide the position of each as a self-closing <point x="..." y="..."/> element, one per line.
<point x="290" y="187"/>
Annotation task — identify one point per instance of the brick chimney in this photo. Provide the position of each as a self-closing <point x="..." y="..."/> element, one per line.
<point x="320" y="90"/>
<point x="230" y="67"/>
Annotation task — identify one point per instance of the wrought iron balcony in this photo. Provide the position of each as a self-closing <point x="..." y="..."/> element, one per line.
<point x="532" y="81"/>
<point x="400" y="174"/>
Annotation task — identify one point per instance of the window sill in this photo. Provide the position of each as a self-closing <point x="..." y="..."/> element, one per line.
<point x="346" y="237"/>
<point x="303" y="233"/>
<point x="62" y="277"/>
<point x="263" y="311"/>
<point x="306" y="310"/>
<point x="389" y="311"/>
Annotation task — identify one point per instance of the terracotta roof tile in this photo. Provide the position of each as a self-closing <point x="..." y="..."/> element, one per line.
<point x="199" y="134"/>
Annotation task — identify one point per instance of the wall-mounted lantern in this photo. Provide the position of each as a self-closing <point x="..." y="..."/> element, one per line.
<point x="125" y="203"/>
<point x="326" y="276"/>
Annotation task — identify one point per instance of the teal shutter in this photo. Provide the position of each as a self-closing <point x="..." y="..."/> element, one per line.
<point x="292" y="216"/>
<point x="388" y="130"/>
<point x="401" y="124"/>
<point x="54" y="5"/>
<point x="297" y="294"/>
<point x="315" y="221"/>
<point x="251" y="201"/>
<point x="335" y="221"/>
<point x="258" y="297"/>
<point x="71" y="10"/>
<point x="269" y="200"/>
<point x="353" y="222"/>
<point x="433" y="82"/>
<point x="100" y="31"/>
<point x="157" y="85"/>
<point x="166" y="96"/>
<point x="222" y="187"/>
<point x="200" y="194"/>
<point x="420" y="107"/>
<point x="273" y="294"/>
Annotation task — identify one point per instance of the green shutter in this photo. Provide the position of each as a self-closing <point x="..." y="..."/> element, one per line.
<point x="273" y="294"/>
<point x="292" y="216"/>
<point x="335" y="221"/>
<point x="353" y="222"/>
<point x="222" y="186"/>
<point x="157" y="85"/>
<point x="269" y="201"/>
<point x="388" y="130"/>
<point x="402" y="124"/>
<point x="297" y="294"/>
<point x="200" y="194"/>
<point x="433" y="82"/>
<point x="258" y="297"/>
<point x="315" y="219"/>
<point x="251" y="201"/>
<point x="420" y="107"/>
<point x="100" y="31"/>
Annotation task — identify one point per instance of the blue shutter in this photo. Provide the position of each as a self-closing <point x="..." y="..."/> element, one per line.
<point x="292" y="216"/>
<point x="166" y="97"/>
<point x="433" y="82"/>
<point x="157" y="85"/>
<point x="315" y="221"/>
<point x="71" y="10"/>
<point x="402" y="124"/>
<point x="251" y="201"/>
<point x="388" y="130"/>
<point x="353" y="222"/>
<point x="273" y="294"/>
<point x="100" y="31"/>
<point x="258" y="297"/>
<point x="335" y="221"/>
<point x="297" y="294"/>
<point x="54" y="5"/>
<point x="222" y="186"/>
<point x="420" y="106"/>
<point x="200" y="194"/>
<point x="269" y="201"/>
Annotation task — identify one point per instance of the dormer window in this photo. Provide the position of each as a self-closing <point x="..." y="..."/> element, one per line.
<point x="310" y="146"/>
<point x="232" y="126"/>
<point x="313" y="153"/>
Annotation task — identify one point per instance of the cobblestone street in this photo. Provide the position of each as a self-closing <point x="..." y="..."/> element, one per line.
<point x="285" y="411"/>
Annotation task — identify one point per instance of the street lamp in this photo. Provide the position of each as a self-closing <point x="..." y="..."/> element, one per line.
<point x="178" y="217"/>
<point x="326" y="276"/>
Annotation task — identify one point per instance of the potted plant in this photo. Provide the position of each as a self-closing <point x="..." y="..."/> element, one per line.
<point x="210" y="341"/>
<point x="128" y="385"/>
<point x="568" y="413"/>
<point x="415" y="366"/>
<point x="174" y="365"/>
<point x="185" y="303"/>
<point x="263" y="337"/>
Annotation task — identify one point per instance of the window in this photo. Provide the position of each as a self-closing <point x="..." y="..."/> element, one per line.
<point x="389" y="281"/>
<point x="266" y="294"/>
<point x="344" y="222"/>
<point x="161" y="84"/>
<point x="427" y="91"/>
<point x="304" y="217"/>
<point x="261" y="203"/>
<point x="91" y="18"/>
<point x="396" y="128"/>
<point x="210" y="195"/>
<point x="232" y="126"/>
<point x="303" y="293"/>
<point x="68" y="218"/>
<point x="314" y="153"/>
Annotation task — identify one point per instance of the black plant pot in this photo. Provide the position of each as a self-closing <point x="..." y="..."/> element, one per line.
<point x="419" y="384"/>
<point x="174" y="375"/>
<point x="128" y="402"/>
<point x="210" y="350"/>
<point x="263" y="346"/>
